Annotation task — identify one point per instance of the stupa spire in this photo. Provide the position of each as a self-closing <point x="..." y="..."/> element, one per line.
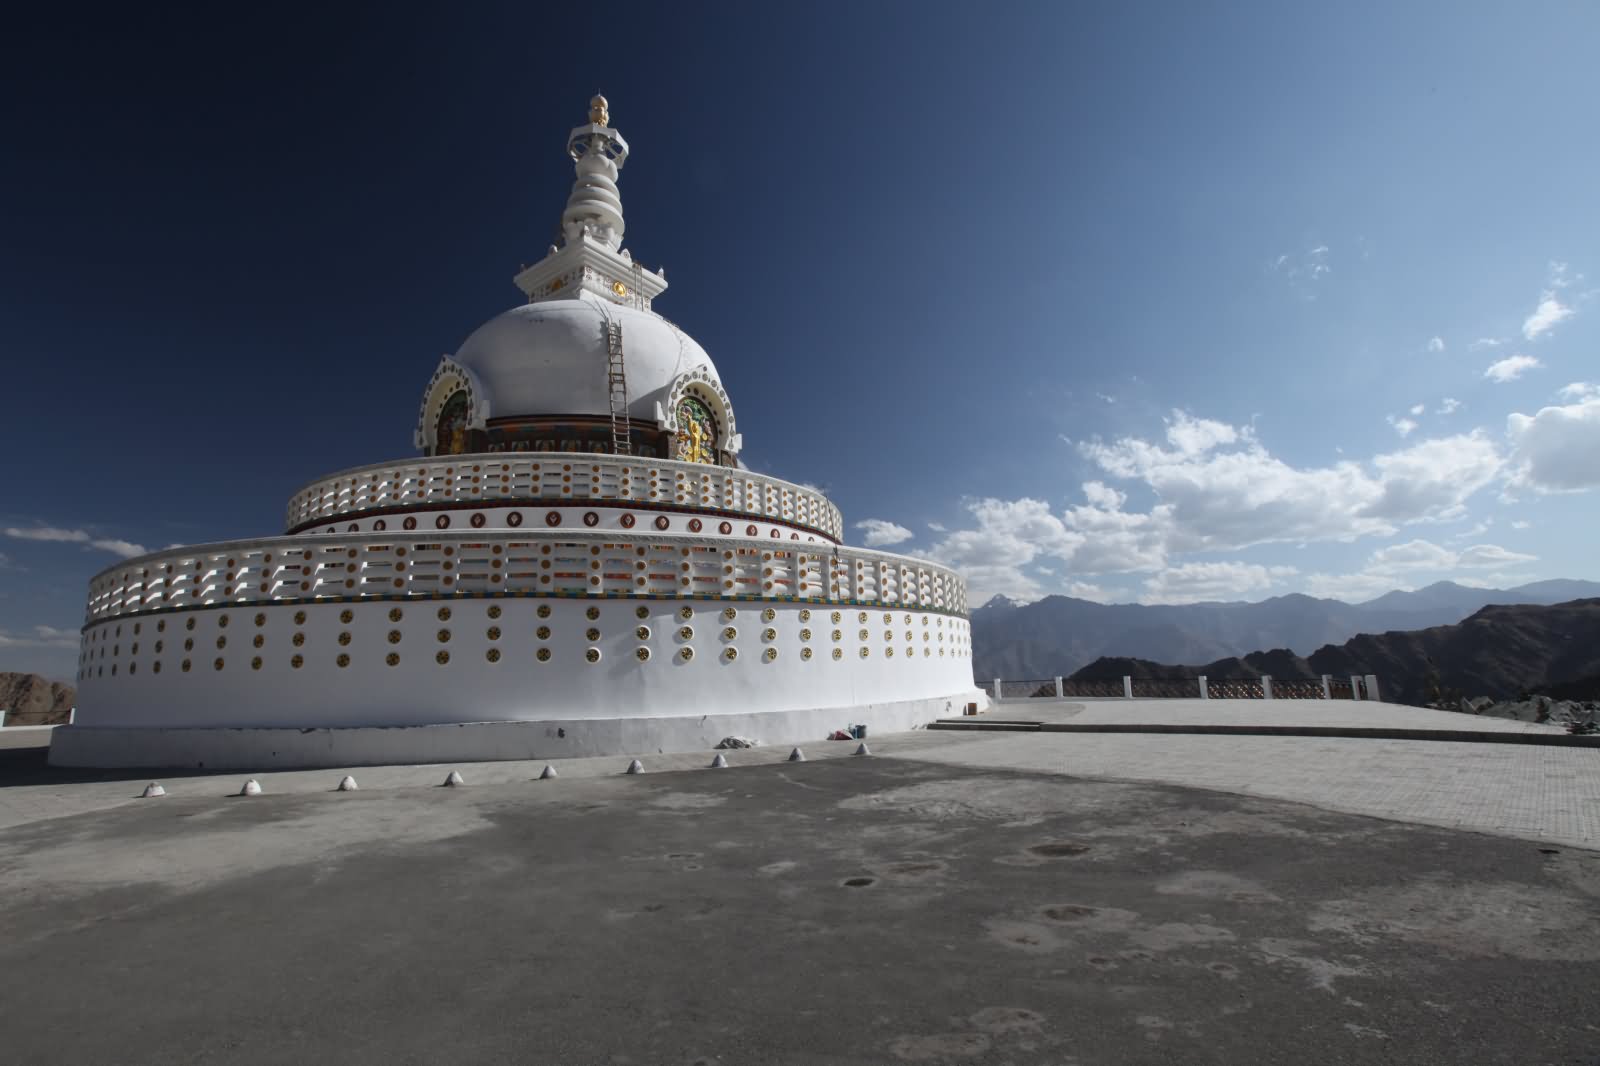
<point x="591" y="258"/>
<point x="594" y="210"/>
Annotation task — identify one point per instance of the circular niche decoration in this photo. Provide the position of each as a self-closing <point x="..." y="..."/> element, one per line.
<point x="730" y="633"/>
<point x="729" y="654"/>
<point x="552" y="518"/>
<point x="725" y="528"/>
<point x="493" y="655"/>
<point x="493" y="633"/>
<point x="395" y="614"/>
<point x="478" y="519"/>
<point x="663" y="522"/>
<point x="593" y="614"/>
<point x="865" y="652"/>
<point x="805" y="615"/>
<point x="805" y="653"/>
<point x="591" y="655"/>
<point x="643" y="633"/>
<point x="685" y="654"/>
<point x="393" y="659"/>
<point x="768" y="615"/>
<point x="729" y="613"/>
<point x="590" y="518"/>
<point x="444" y="636"/>
<point x="379" y="526"/>
<point x="686" y="633"/>
<point x="592" y="634"/>
<point x="347" y="617"/>
<point x="642" y="654"/>
<point x="394" y="636"/>
<point x="297" y="640"/>
<point x="685" y="613"/>
<point x="805" y="634"/>
<point x="442" y="522"/>
<point x="494" y="611"/>
<point x="838" y="653"/>
<point x="514" y="519"/>
<point x="442" y="658"/>
<point x="769" y="634"/>
<point x="543" y="655"/>
<point x="641" y="613"/>
<point x="409" y="523"/>
<point x="888" y="619"/>
<point x="544" y="610"/>
<point x="344" y="639"/>
<point x="862" y="617"/>
<point x="750" y="530"/>
<point x="444" y="614"/>
<point x="261" y="620"/>
<point x="694" y="525"/>
<point x="769" y="655"/>
<point x="255" y="664"/>
<point x="543" y="632"/>
<point x="836" y="617"/>
<point x="626" y="521"/>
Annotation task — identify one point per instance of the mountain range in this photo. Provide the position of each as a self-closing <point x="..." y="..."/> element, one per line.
<point x="1059" y="635"/>
<point x="1501" y="651"/>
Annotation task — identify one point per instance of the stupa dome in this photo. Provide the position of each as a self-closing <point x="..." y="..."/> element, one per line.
<point x="550" y="358"/>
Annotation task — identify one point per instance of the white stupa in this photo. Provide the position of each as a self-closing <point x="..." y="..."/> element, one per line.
<point x="578" y="565"/>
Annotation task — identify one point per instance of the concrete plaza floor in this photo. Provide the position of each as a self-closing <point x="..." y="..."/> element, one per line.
<point x="973" y="898"/>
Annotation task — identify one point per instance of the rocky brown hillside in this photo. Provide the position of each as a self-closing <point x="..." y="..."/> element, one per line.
<point x="30" y="699"/>
<point x="1502" y="652"/>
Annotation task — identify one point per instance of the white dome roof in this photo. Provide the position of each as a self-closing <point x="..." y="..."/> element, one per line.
<point x="549" y="358"/>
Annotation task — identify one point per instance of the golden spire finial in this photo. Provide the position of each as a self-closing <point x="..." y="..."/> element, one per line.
<point x="598" y="113"/>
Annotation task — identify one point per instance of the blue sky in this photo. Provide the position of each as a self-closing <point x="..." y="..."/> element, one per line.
<point x="1135" y="302"/>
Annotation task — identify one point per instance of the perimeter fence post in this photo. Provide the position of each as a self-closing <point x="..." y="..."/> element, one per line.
<point x="997" y="690"/>
<point x="1355" y="686"/>
<point x="1372" y="687"/>
<point x="1266" y="686"/>
<point x="1061" y="690"/>
<point x="1203" y="693"/>
<point x="1127" y="687"/>
<point x="1327" y="690"/>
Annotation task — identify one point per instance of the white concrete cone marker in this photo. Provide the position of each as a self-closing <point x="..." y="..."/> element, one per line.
<point x="454" y="780"/>
<point x="861" y="749"/>
<point x="797" y="756"/>
<point x="152" y="790"/>
<point x="547" y="773"/>
<point x="635" y="767"/>
<point x="347" y="784"/>
<point x="251" y="787"/>
<point x="720" y="762"/>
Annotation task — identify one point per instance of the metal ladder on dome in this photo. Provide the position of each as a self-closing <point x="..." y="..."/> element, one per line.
<point x="617" y="382"/>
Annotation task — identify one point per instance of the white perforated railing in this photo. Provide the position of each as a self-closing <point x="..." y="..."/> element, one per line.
<point x="510" y="562"/>
<point x="504" y="478"/>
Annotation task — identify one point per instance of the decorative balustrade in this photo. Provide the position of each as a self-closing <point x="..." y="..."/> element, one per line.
<point x="513" y="563"/>
<point x="507" y="478"/>
<point x="1246" y="688"/>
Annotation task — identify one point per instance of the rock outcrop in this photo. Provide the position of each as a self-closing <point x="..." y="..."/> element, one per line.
<point x="29" y="699"/>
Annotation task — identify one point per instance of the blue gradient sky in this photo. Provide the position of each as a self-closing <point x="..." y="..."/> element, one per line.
<point x="1128" y="301"/>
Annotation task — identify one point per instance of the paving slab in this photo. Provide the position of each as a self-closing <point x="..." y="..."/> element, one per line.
<point x="1537" y="793"/>
<point x="840" y="911"/>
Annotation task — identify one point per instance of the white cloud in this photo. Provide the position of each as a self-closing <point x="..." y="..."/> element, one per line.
<point x="880" y="533"/>
<point x="1485" y="342"/>
<point x="1303" y="270"/>
<point x="43" y="637"/>
<point x="126" y="549"/>
<point x="1402" y="426"/>
<point x="1511" y="368"/>
<point x="1551" y="311"/>
<point x="1557" y="449"/>
<point x="1105" y="398"/>
<point x="1197" y="582"/>
<point x="937" y="527"/>
<point x="1448" y="406"/>
<point x="1417" y="409"/>
<point x="1436" y="344"/>
<point x="1521" y="524"/>
<point x="1396" y="566"/>
<point x="1491" y="555"/>
<point x="1580" y="390"/>
<point x="1216" y="488"/>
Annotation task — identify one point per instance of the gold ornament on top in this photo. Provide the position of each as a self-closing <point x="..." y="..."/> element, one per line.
<point x="599" y="111"/>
